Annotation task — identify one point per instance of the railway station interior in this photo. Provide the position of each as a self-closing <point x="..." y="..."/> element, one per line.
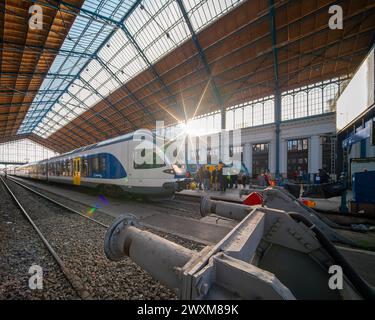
<point x="187" y="150"/>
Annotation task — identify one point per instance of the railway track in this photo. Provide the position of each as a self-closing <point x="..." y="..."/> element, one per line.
<point x="59" y="203"/>
<point x="74" y="282"/>
<point x="176" y="205"/>
<point x="77" y="244"/>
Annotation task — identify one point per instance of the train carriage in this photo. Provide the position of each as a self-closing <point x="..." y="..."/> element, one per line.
<point x="111" y="163"/>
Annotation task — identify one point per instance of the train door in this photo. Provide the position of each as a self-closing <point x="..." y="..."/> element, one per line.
<point x="77" y="171"/>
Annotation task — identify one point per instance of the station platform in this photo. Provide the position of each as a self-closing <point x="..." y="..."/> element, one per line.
<point x="232" y="195"/>
<point x="207" y="230"/>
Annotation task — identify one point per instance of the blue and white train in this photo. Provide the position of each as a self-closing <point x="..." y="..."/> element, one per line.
<point x="110" y="164"/>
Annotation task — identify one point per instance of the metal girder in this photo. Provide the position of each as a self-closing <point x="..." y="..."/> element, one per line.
<point x="72" y="134"/>
<point x="77" y="76"/>
<point x="20" y="104"/>
<point x="14" y="47"/>
<point x="96" y="114"/>
<point x="60" y="141"/>
<point x="30" y="75"/>
<point x="64" y="104"/>
<point x="124" y="85"/>
<point x="215" y="89"/>
<point x="39" y="55"/>
<point x="15" y="92"/>
<point x="148" y="63"/>
<point x="77" y="11"/>
<point x="277" y="108"/>
<point x="12" y="163"/>
<point x="109" y="103"/>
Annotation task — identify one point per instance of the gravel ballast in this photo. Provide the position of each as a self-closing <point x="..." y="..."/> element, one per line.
<point x="20" y="249"/>
<point x="79" y="242"/>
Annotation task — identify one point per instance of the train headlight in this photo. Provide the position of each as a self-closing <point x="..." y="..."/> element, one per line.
<point x="178" y="170"/>
<point x="169" y="171"/>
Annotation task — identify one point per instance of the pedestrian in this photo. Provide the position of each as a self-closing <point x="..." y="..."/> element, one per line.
<point x="214" y="179"/>
<point x="262" y="180"/>
<point x="200" y="177"/>
<point x="243" y="180"/>
<point x="324" y="176"/>
<point x="317" y="178"/>
<point x="220" y="177"/>
<point x="267" y="178"/>
<point x="235" y="180"/>
<point x="207" y="179"/>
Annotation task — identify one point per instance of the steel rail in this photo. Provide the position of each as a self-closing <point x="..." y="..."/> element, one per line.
<point x="58" y="203"/>
<point x="73" y="280"/>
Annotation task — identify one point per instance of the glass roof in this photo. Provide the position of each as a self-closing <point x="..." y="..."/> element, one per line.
<point x="102" y="56"/>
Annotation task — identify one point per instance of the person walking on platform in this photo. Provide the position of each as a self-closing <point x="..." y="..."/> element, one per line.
<point x="214" y="179"/>
<point x="207" y="179"/>
<point x="200" y="176"/>
<point x="221" y="178"/>
<point x="244" y="180"/>
<point x="234" y="179"/>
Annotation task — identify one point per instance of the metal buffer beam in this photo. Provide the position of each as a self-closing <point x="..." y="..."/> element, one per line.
<point x="259" y="259"/>
<point x="146" y="249"/>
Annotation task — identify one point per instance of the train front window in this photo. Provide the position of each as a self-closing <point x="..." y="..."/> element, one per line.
<point x="157" y="162"/>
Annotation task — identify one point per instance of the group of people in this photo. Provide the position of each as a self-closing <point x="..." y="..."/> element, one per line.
<point x="322" y="177"/>
<point x="265" y="178"/>
<point x="216" y="179"/>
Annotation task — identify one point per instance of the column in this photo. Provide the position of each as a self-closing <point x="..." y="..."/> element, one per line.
<point x="271" y="156"/>
<point x="315" y="155"/>
<point x="277" y="111"/>
<point x="248" y="157"/>
<point x="284" y="157"/>
<point x="223" y="119"/>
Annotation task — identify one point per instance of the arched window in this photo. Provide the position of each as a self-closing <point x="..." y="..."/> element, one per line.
<point x="229" y="119"/>
<point x="268" y="111"/>
<point x="287" y="108"/>
<point x="258" y="114"/>
<point x="315" y="101"/>
<point x="248" y="116"/>
<point x="329" y="94"/>
<point x="300" y="105"/>
<point x="238" y="118"/>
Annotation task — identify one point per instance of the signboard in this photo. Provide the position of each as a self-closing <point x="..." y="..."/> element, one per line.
<point x="358" y="95"/>
<point x="357" y="137"/>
